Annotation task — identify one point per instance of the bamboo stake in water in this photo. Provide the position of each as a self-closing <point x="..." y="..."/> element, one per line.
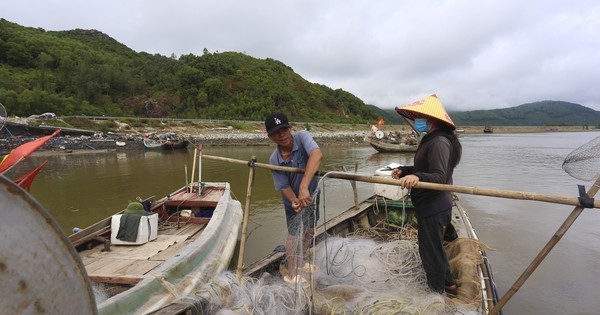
<point x="245" y="221"/>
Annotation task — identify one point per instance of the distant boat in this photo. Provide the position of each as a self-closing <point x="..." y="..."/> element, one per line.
<point x="153" y="144"/>
<point x="120" y="143"/>
<point x="392" y="142"/>
<point x="488" y="129"/>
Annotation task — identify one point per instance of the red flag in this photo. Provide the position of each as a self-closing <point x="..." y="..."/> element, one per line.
<point x="26" y="180"/>
<point x="23" y="151"/>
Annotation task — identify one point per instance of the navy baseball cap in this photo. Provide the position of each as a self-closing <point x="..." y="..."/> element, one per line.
<point x="276" y="121"/>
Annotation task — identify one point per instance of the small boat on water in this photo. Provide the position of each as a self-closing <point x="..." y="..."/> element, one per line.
<point x="384" y="146"/>
<point x="393" y="141"/>
<point x="188" y="237"/>
<point x="488" y="129"/>
<point x="154" y="144"/>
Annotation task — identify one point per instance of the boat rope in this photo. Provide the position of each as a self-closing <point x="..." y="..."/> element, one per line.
<point x="169" y="286"/>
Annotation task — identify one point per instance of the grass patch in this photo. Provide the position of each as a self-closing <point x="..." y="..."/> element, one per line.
<point x="239" y="125"/>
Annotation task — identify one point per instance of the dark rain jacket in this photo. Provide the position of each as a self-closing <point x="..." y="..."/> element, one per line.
<point x="432" y="164"/>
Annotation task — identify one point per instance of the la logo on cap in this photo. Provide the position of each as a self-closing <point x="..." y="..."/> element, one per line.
<point x="277" y="121"/>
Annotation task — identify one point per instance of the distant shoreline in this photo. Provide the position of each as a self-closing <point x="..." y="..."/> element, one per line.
<point x="324" y="134"/>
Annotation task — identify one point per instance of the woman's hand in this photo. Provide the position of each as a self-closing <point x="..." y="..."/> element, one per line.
<point x="396" y="173"/>
<point x="409" y="181"/>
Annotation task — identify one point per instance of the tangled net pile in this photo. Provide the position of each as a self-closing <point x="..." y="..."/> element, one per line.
<point x="353" y="275"/>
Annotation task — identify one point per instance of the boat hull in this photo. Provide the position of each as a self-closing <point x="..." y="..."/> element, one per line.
<point x="475" y="276"/>
<point x="185" y="267"/>
<point x="386" y="147"/>
<point x="165" y="145"/>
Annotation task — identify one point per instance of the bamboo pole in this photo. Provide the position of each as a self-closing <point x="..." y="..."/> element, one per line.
<point x="508" y="194"/>
<point x="353" y="184"/>
<point x="240" y="263"/>
<point x="193" y="170"/>
<point x="544" y="252"/>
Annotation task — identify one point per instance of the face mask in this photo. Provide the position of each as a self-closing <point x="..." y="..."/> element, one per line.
<point x="421" y="125"/>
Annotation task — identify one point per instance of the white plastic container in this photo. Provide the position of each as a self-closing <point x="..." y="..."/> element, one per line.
<point x="147" y="230"/>
<point x="388" y="191"/>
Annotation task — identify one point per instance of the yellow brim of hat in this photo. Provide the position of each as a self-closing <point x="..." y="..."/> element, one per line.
<point x="429" y="106"/>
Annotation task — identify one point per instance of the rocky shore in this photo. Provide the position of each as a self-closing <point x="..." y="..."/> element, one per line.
<point x="76" y="140"/>
<point x="135" y="142"/>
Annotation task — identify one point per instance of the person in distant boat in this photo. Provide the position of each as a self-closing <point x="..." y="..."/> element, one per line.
<point x="298" y="191"/>
<point x="435" y="159"/>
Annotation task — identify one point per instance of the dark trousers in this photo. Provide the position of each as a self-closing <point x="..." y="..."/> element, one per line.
<point x="431" y="248"/>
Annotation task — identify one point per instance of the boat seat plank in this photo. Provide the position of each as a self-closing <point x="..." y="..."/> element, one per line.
<point x="139" y="267"/>
<point x="169" y="252"/>
<point x="209" y="198"/>
<point x="184" y="229"/>
<point x="106" y="265"/>
<point x="133" y="252"/>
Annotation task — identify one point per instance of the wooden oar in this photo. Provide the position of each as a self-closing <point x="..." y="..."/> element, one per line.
<point x="544" y="252"/>
<point x="245" y="221"/>
<point x="508" y="194"/>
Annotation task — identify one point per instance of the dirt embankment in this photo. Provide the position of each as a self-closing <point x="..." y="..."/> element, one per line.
<point x="219" y="134"/>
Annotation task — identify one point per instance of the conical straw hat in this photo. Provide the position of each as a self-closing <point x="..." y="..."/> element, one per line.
<point x="430" y="106"/>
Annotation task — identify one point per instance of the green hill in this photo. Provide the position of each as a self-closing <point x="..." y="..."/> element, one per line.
<point x="87" y="72"/>
<point x="544" y="113"/>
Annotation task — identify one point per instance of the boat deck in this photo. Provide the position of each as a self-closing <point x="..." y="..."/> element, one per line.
<point x="128" y="264"/>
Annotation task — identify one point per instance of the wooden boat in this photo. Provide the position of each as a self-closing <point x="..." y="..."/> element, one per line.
<point x="476" y="279"/>
<point x="153" y="144"/>
<point x="393" y="141"/>
<point x="468" y="259"/>
<point x="197" y="235"/>
<point x="388" y="147"/>
<point x="488" y="129"/>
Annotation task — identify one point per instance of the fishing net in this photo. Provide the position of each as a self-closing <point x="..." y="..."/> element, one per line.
<point x="584" y="162"/>
<point x="352" y="275"/>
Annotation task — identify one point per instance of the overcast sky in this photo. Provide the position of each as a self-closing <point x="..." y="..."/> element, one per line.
<point x="474" y="54"/>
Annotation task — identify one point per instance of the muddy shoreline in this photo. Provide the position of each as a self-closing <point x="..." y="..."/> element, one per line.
<point x="231" y="137"/>
<point x="74" y="145"/>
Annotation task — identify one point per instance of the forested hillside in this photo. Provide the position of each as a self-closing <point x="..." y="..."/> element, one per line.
<point x="544" y="113"/>
<point x="87" y="72"/>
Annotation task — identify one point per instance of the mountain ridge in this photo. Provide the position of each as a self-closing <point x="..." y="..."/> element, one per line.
<point x="87" y="72"/>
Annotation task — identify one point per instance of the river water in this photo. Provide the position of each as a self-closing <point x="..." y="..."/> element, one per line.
<point x="81" y="189"/>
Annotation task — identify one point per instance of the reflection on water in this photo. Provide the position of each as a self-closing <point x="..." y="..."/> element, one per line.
<point x="81" y="189"/>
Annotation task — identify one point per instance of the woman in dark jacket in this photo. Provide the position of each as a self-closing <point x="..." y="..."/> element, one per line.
<point x="437" y="155"/>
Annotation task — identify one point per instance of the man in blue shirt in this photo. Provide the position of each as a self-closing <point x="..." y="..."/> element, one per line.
<point x="297" y="150"/>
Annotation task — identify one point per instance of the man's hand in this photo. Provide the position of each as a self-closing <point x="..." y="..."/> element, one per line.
<point x="304" y="197"/>
<point x="296" y="206"/>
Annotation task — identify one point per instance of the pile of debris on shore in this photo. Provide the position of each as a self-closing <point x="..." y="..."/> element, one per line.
<point x="70" y="140"/>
